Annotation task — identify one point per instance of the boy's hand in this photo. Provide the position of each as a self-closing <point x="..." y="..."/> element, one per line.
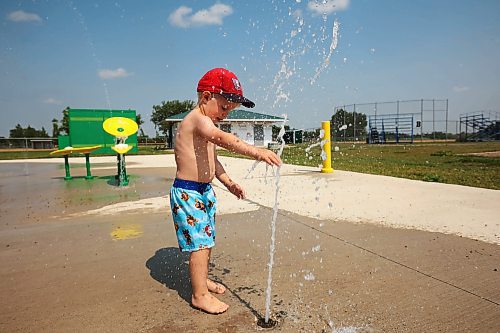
<point x="268" y="156"/>
<point x="237" y="190"/>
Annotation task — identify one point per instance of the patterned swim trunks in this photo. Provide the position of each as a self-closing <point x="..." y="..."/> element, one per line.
<point x="193" y="207"/>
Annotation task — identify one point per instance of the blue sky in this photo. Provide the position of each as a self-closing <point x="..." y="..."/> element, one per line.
<point x="129" y="54"/>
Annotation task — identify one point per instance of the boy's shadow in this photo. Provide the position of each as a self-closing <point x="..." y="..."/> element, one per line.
<point x="170" y="267"/>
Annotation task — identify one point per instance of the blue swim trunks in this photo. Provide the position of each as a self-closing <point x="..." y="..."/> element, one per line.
<point x="193" y="207"/>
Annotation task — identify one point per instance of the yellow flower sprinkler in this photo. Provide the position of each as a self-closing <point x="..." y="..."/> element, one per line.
<point x="121" y="128"/>
<point x="81" y="150"/>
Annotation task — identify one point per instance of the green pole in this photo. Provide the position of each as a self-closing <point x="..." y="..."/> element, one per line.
<point x="66" y="167"/>
<point x="87" y="164"/>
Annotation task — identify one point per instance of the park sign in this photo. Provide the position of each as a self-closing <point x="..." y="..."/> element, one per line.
<point x="85" y="129"/>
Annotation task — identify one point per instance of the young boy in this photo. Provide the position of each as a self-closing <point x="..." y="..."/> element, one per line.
<point x="192" y="198"/>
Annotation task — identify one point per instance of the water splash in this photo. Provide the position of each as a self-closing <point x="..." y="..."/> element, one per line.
<point x="265" y="174"/>
<point x="321" y="135"/>
<point x="272" y="246"/>
<point x="252" y="168"/>
<point x="292" y="53"/>
<point x="309" y="276"/>
<point x="121" y="173"/>
<point x="323" y="142"/>
<point x="347" y="329"/>
<point x="333" y="46"/>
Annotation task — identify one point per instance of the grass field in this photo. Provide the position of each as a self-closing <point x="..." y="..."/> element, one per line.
<point x="432" y="162"/>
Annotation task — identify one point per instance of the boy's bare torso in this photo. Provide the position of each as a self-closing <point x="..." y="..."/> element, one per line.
<point x="194" y="154"/>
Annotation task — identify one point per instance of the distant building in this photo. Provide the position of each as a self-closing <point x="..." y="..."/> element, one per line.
<point x="252" y="127"/>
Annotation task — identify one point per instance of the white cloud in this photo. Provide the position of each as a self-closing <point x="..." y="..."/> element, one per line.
<point x="22" y="16"/>
<point x="327" y="6"/>
<point x="460" y="89"/>
<point x="178" y="19"/>
<point x="214" y="15"/>
<point x="51" y="100"/>
<point x="107" y="74"/>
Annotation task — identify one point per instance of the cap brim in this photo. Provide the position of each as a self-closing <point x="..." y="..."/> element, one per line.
<point x="235" y="98"/>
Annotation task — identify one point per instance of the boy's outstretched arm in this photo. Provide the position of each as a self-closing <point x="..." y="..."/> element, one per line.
<point x="208" y="130"/>
<point x="223" y="177"/>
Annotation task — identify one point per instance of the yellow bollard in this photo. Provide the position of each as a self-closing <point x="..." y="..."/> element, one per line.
<point x="327" y="163"/>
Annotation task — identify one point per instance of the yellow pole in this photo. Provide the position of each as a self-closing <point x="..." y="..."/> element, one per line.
<point x="327" y="163"/>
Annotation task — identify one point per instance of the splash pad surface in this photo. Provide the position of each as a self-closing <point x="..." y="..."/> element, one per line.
<point x="328" y="275"/>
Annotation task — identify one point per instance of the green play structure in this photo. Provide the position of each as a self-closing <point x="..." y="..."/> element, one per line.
<point x="85" y="129"/>
<point x="99" y="132"/>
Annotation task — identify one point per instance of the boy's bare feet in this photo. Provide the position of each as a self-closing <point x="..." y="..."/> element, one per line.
<point x="209" y="303"/>
<point x="215" y="287"/>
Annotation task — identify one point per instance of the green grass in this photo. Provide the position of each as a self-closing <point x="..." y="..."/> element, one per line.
<point x="432" y="162"/>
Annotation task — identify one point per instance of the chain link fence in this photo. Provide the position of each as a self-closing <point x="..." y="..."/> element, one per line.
<point x="430" y="118"/>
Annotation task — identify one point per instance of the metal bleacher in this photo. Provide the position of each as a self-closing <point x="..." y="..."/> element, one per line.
<point x="480" y="126"/>
<point x="390" y="128"/>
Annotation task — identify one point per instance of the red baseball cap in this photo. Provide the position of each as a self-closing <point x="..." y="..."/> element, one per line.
<point x="223" y="82"/>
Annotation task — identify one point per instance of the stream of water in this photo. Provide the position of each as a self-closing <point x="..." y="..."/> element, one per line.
<point x="282" y="81"/>
<point x="272" y="246"/>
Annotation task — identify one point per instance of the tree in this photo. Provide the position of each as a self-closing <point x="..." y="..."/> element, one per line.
<point x="139" y="121"/>
<point x="28" y="132"/>
<point x="168" y="109"/>
<point x="348" y="125"/>
<point x="17" y="132"/>
<point x="55" y="128"/>
<point x="64" y="128"/>
<point x="43" y="133"/>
